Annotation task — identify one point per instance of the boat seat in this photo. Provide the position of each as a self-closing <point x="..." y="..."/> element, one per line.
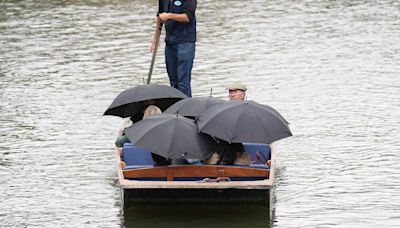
<point x="259" y="153"/>
<point x="136" y="156"/>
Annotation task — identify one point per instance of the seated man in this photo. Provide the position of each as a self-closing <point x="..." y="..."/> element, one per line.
<point x="237" y="91"/>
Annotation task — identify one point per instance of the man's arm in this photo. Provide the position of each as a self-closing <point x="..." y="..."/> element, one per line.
<point x="189" y="8"/>
<point x="179" y="17"/>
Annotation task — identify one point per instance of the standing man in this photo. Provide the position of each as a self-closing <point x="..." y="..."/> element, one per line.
<point x="180" y="26"/>
<point x="237" y="91"/>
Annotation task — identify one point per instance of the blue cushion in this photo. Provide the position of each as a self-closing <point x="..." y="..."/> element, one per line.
<point x="259" y="153"/>
<point x="133" y="155"/>
<point x="128" y="144"/>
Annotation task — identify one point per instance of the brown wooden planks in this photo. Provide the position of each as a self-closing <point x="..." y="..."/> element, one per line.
<point x="170" y="172"/>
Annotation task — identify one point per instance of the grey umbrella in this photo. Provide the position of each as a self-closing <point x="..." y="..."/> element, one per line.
<point x="171" y="136"/>
<point x="240" y="121"/>
<point x="193" y="106"/>
<point x="131" y="101"/>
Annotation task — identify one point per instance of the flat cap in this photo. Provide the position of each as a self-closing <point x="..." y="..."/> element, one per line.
<point x="236" y="85"/>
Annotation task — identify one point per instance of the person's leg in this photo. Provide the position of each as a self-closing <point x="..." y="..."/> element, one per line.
<point x="185" y="57"/>
<point x="171" y="63"/>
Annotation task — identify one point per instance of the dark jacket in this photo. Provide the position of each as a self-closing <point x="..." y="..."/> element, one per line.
<point x="177" y="32"/>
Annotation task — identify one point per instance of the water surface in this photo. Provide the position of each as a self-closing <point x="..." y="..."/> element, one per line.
<point x="330" y="67"/>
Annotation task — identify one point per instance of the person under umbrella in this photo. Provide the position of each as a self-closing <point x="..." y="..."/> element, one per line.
<point x="238" y="122"/>
<point x="136" y="117"/>
<point x="131" y="102"/>
<point x="121" y="140"/>
<point x="229" y="154"/>
<point x="171" y="136"/>
<point x="237" y="91"/>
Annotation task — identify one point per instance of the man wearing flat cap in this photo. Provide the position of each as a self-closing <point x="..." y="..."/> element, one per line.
<point x="237" y="91"/>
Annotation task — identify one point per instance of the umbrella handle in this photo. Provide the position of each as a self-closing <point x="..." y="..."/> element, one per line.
<point x="157" y="41"/>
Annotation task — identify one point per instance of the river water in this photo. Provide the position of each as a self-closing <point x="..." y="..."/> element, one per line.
<point x="330" y="67"/>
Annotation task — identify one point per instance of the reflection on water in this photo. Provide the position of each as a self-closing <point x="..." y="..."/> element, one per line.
<point x="216" y="216"/>
<point x="330" y="67"/>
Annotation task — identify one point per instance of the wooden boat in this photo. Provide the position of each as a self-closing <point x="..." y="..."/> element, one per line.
<point x="143" y="183"/>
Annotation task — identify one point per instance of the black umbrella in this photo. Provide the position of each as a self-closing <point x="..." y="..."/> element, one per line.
<point x="193" y="106"/>
<point x="171" y="136"/>
<point x="131" y="101"/>
<point x="239" y="121"/>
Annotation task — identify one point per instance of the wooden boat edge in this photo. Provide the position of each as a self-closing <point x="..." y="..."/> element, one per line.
<point x="139" y="184"/>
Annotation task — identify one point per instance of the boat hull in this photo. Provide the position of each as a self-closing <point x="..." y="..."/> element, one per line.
<point x="204" y="197"/>
<point x="142" y="192"/>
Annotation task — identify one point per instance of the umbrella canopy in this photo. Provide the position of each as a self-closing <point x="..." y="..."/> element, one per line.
<point x="171" y="136"/>
<point x="239" y="121"/>
<point x="193" y="106"/>
<point x="131" y="101"/>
